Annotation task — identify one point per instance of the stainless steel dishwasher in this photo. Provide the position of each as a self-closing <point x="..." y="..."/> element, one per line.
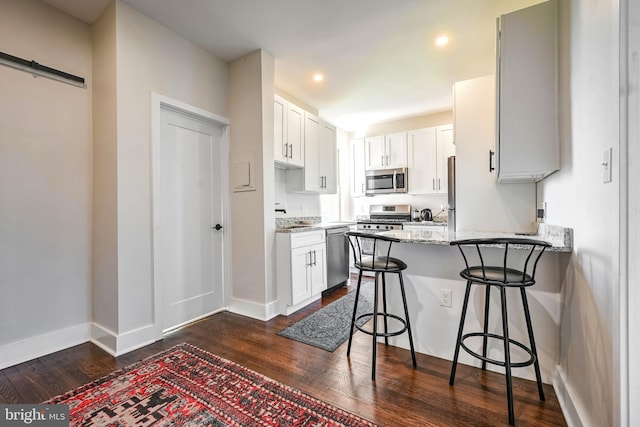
<point x="337" y="257"/>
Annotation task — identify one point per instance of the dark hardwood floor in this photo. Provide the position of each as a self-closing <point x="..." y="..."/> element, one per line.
<point x="400" y="396"/>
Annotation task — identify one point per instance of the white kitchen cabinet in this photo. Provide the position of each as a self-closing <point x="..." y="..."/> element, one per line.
<point x="445" y="149"/>
<point x="318" y="269"/>
<point x="300" y="287"/>
<point x="319" y="172"/>
<point x="288" y="133"/>
<point x="386" y="151"/>
<point x="357" y="167"/>
<point x="526" y="146"/>
<point x="374" y="152"/>
<point x="300" y="269"/>
<point x="280" y="144"/>
<point x="327" y="158"/>
<point x="428" y="151"/>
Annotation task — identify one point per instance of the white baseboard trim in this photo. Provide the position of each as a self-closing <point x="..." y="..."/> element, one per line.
<point x="571" y="408"/>
<point x="118" y="344"/>
<point x="272" y="310"/>
<point x="103" y="338"/>
<point x="254" y="310"/>
<point x="41" y="345"/>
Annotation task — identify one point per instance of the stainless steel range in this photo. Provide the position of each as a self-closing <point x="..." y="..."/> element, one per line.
<point x="385" y="217"/>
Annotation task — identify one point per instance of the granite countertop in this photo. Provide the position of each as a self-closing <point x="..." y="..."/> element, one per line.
<point x="561" y="238"/>
<point x="302" y="224"/>
<point x="319" y="226"/>
<point x="425" y="223"/>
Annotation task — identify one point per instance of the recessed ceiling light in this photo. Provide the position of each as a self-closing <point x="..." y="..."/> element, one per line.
<point x="442" y="40"/>
<point x="318" y="77"/>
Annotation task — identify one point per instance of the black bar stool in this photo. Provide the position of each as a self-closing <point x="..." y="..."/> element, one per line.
<point x="503" y="277"/>
<point x="366" y="258"/>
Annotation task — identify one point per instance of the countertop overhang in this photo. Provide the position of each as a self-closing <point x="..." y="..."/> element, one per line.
<point x="561" y="238"/>
<point x="301" y="228"/>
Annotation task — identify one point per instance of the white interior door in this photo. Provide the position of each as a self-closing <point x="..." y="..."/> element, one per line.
<point x="190" y="193"/>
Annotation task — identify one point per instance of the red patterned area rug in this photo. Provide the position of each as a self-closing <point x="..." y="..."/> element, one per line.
<point x="189" y="386"/>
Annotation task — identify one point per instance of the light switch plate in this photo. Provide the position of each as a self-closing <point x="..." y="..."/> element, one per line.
<point x="606" y="165"/>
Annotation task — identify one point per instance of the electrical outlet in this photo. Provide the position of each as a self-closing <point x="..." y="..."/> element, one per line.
<point x="445" y="297"/>
<point x="541" y="213"/>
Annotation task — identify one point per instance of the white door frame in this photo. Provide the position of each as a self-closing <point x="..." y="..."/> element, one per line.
<point x="157" y="103"/>
<point x="629" y="295"/>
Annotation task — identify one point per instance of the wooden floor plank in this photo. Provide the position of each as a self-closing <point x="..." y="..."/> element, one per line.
<point x="400" y="396"/>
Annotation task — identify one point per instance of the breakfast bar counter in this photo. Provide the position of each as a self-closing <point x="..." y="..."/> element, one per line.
<point x="559" y="237"/>
<point x="434" y="267"/>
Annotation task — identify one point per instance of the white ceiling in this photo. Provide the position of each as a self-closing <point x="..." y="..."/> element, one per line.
<point x="378" y="56"/>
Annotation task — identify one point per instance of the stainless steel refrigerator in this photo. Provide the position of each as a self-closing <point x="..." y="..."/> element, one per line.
<point x="451" y="192"/>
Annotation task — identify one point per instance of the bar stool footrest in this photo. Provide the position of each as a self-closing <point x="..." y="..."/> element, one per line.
<point x="532" y="357"/>
<point x="382" y="334"/>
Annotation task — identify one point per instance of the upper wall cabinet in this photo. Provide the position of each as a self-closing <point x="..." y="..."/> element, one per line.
<point x="319" y="173"/>
<point x="288" y="134"/>
<point x="386" y="151"/>
<point x="357" y="167"/>
<point x="527" y="146"/>
<point x="327" y="158"/>
<point x="428" y="151"/>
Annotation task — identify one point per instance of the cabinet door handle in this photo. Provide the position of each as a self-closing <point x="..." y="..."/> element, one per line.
<point x="291" y="151"/>
<point x="387" y="157"/>
<point x="363" y="187"/>
<point x="286" y="151"/>
<point x="381" y="160"/>
<point x="438" y="184"/>
<point x="491" y="154"/>
<point x="433" y="183"/>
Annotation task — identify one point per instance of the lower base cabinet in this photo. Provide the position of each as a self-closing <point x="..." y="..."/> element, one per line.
<point x="300" y="269"/>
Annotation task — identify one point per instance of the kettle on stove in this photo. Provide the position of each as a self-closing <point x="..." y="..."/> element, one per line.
<point x="426" y="215"/>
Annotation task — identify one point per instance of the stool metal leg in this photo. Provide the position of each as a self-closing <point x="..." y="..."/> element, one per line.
<point x="487" y="295"/>
<point x="406" y="317"/>
<point x="355" y="309"/>
<point x="459" y="339"/>
<point x="507" y="354"/>
<point x="384" y="307"/>
<point x="532" y="341"/>
<point x="375" y="329"/>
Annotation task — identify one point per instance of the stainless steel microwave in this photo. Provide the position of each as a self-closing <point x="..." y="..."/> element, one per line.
<point x="386" y="181"/>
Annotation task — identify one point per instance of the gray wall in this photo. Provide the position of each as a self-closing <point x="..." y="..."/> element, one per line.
<point x="45" y="184"/>
<point x="576" y="196"/>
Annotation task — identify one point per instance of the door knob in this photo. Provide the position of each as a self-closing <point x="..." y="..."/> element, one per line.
<point x="218" y="227"/>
